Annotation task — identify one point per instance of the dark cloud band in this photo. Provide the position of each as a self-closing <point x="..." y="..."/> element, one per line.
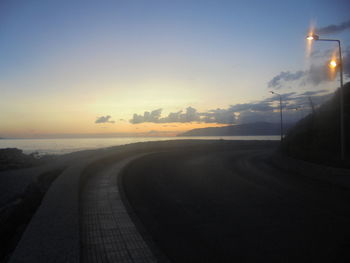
<point x="264" y="110"/>
<point x="333" y="29"/>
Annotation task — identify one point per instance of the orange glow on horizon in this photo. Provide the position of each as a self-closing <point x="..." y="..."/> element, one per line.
<point x="119" y="129"/>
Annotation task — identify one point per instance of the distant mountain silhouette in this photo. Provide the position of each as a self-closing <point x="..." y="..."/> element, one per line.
<point x="256" y="128"/>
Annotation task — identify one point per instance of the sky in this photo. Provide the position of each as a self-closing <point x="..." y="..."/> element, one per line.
<point x="158" y="68"/>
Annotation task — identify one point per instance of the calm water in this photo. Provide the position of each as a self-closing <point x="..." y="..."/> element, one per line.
<point x="62" y="146"/>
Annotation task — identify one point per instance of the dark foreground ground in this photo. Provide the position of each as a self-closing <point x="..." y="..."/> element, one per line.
<point x="237" y="204"/>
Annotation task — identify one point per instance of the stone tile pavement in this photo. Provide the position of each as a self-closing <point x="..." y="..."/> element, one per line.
<point x="89" y="224"/>
<point x="107" y="231"/>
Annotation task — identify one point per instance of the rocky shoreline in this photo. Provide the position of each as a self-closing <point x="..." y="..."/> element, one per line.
<point x="13" y="158"/>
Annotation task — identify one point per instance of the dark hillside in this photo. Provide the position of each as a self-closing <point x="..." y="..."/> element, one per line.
<point x="317" y="137"/>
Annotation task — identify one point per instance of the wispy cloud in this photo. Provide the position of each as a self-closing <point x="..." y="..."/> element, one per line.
<point x="312" y="93"/>
<point x="333" y="29"/>
<point x="104" y="119"/>
<point x="277" y="81"/>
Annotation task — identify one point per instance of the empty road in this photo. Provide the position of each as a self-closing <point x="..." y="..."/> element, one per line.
<point x="237" y="206"/>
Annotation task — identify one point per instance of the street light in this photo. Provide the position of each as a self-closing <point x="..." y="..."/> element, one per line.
<point x="281" y="114"/>
<point x="334" y="64"/>
<point x="313" y="37"/>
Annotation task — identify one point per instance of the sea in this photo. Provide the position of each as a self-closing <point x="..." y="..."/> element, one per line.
<point x="68" y="145"/>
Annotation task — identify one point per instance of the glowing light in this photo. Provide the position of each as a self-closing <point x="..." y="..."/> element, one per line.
<point x="310" y="37"/>
<point x="333" y="64"/>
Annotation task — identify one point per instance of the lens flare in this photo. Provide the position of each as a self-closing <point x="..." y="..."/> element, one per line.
<point x="332" y="64"/>
<point x="310" y="39"/>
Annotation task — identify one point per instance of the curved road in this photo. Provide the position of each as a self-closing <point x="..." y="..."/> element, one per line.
<point x="191" y="201"/>
<point x="237" y="206"/>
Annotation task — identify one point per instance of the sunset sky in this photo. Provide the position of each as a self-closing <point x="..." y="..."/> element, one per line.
<point x="95" y="67"/>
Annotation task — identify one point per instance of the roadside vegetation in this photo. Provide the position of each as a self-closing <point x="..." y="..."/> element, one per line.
<point x="16" y="215"/>
<point x="316" y="138"/>
<point x="13" y="158"/>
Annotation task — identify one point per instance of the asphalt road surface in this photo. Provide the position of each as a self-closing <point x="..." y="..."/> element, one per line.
<point x="237" y="206"/>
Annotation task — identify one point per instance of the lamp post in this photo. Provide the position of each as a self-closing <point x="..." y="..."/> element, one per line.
<point x="281" y="114"/>
<point x="334" y="64"/>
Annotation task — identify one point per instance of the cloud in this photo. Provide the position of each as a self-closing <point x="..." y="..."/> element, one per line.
<point x="317" y="54"/>
<point x="152" y="116"/>
<point x="104" y="119"/>
<point x="174" y="117"/>
<point x="259" y="106"/>
<point x="275" y="82"/>
<point x="333" y="29"/>
<point x="315" y="75"/>
<point x="222" y="116"/>
<point x="294" y="105"/>
<point x="312" y="93"/>
<point x="190" y="115"/>
<point x="285" y="97"/>
<point x="318" y="74"/>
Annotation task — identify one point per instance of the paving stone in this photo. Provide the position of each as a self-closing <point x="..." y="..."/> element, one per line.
<point x="108" y="233"/>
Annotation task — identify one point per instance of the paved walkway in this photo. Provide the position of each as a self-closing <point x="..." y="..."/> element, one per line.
<point x="52" y="235"/>
<point x="91" y="227"/>
<point x="107" y="232"/>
